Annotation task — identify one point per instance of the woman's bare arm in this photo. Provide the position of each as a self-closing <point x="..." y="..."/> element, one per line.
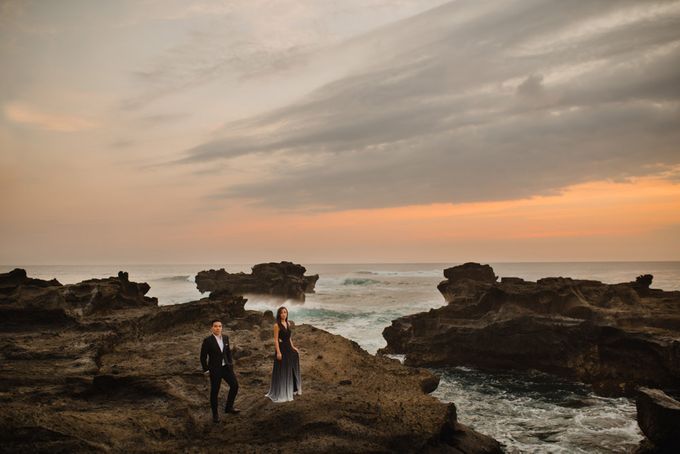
<point x="276" y="341"/>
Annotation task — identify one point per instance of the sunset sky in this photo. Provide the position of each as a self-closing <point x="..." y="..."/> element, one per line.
<point x="242" y="131"/>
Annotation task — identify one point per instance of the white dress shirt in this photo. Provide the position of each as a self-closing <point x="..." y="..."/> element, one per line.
<point x="220" y="342"/>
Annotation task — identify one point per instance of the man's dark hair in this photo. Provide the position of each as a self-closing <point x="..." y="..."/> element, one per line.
<point x="216" y="320"/>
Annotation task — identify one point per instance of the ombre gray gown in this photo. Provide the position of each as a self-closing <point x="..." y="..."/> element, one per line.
<point x="286" y="373"/>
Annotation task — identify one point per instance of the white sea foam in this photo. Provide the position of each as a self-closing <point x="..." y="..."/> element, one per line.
<point x="359" y="281"/>
<point x="539" y="413"/>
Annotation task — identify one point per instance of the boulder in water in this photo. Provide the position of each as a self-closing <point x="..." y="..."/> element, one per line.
<point x="284" y="279"/>
<point x="658" y="416"/>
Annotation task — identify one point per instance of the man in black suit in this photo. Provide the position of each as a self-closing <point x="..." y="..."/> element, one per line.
<point x="217" y="362"/>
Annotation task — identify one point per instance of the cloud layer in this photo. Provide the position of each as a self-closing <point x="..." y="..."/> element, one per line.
<point x="473" y="101"/>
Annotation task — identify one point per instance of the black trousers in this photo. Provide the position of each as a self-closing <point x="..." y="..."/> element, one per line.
<point x="225" y="373"/>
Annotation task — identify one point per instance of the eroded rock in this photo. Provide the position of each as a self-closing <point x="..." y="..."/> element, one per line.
<point x="24" y="299"/>
<point x="581" y="329"/>
<point x="284" y="279"/>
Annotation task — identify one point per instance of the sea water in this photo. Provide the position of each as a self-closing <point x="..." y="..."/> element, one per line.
<point x="526" y="412"/>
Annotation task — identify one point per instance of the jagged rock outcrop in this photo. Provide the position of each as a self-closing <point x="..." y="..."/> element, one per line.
<point x="284" y="279"/>
<point x="581" y="329"/>
<point x="129" y="379"/>
<point x="23" y="298"/>
<point x="658" y="416"/>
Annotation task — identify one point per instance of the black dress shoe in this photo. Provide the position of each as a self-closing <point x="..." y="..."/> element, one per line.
<point x="232" y="410"/>
<point x="216" y="419"/>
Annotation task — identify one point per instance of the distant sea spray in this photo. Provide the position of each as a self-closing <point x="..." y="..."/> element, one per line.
<point x="359" y="281"/>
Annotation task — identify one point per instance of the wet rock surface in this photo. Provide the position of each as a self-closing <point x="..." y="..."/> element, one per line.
<point x="615" y="337"/>
<point x="284" y="280"/>
<point x="127" y="378"/>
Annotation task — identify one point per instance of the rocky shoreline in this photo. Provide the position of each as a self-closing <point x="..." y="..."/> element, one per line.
<point x="614" y="337"/>
<point x="99" y="367"/>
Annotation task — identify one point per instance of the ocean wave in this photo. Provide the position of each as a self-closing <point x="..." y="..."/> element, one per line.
<point x="536" y="412"/>
<point x="180" y="278"/>
<point x="412" y="273"/>
<point x="267" y="303"/>
<point x="359" y="281"/>
<point x="398" y="357"/>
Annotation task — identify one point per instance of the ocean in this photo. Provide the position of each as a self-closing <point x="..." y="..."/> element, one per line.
<point x="526" y="412"/>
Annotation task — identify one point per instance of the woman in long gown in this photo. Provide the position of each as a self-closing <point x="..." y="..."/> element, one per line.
<point x="286" y="373"/>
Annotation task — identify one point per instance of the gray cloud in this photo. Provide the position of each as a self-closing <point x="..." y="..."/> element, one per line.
<point x="237" y="41"/>
<point x="517" y="101"/>
<point x="532" y="86"/>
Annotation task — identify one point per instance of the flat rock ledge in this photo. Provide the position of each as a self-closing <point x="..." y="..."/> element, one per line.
<point x="283" y="280"/>
<point x="616" y="337"/>
<point x="127" y="379"/>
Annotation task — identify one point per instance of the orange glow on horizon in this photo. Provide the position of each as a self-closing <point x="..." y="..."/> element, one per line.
<point x="594" y="208"/>
<point x="637" y="219"/>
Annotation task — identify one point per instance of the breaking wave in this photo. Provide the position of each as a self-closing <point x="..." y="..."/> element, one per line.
<point x="359" y="281"/>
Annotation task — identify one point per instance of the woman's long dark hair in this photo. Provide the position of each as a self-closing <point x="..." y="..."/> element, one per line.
<point x="278" y="317"/>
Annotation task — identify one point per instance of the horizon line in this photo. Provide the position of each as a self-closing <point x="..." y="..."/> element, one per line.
<point x="453" y="263"/>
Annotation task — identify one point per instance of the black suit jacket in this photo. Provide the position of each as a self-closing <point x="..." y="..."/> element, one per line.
<point x="211" y="356"/>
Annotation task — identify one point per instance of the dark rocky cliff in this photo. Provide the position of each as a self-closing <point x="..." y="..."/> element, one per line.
<point x="615" y="337"/>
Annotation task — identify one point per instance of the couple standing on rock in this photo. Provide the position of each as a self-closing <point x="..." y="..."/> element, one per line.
<point x="217" y="362"/>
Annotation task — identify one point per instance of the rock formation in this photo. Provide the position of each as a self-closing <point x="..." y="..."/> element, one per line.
<point x="285" y="280"/>
<point x="127" y="377"/>
<point x="615" y="337"/>
<point x="658" y="416"/>
<point x="23" y="298"/>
